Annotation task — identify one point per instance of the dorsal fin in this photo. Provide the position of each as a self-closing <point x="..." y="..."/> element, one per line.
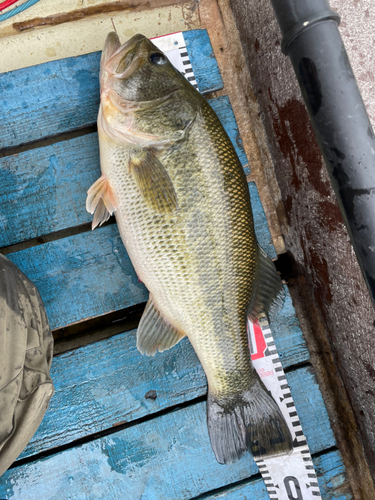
<point x="155" y="333"/>
<point x="269" y="295"/>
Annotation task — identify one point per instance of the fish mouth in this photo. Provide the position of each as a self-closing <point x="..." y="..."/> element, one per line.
<point x="127" y="58"/>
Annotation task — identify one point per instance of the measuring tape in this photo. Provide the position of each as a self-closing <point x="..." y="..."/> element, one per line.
<point x="287" y="477"/>
<point x="292" y="476"/>
<point x="174" y="47"/>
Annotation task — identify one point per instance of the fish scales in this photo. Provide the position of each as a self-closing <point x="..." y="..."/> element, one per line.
<point x="198" y="273"/>
<point x="181" y="201"/>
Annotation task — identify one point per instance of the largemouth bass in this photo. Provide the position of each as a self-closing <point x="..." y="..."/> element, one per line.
<point x="173" y="180"/>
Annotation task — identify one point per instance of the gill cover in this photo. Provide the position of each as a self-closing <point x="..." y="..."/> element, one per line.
<point x="144" y="99"/>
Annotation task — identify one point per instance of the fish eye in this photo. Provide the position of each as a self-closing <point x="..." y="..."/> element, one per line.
<point x="158" y="58"/>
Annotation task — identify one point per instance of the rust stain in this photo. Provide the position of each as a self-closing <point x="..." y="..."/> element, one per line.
<point x="318" y="263"/>
<point x="330" y="213"/>
<point x="106" y="8"/>
<point x="297" y="142"/>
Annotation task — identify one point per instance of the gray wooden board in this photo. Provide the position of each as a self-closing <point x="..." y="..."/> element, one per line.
<point x="60" y="96"/>
<point x="168" y="457"/>
<point x="104" y="384"/>
<point x="44" y="190"/>
<point x="332" y="479"/>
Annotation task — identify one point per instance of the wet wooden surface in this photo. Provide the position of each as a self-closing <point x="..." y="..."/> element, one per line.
<point x="329" y="278"/>
<point x="105" y="434"/>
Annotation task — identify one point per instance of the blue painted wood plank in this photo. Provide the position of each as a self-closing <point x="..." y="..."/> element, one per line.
<point x="105" y="383"/>
<point x="43" y="190"/>
<point x="332" y="479"/>
<point x="48" y="99"/>
<point x="59" y="96"/>
<point x="166" y="457"/>
<point x="82" y="276"/>
<point x="199" y="48"/>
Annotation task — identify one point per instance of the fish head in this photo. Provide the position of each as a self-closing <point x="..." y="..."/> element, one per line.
<point x="144" y="99"/>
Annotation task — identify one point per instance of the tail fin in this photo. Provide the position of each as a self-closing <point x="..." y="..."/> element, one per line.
<point x="251" y="421"/>
<point x="270" y="294"/>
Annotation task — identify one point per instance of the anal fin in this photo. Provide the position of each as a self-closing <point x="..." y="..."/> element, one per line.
<point x="101" y="200"/>
<point x="155" y="333"/>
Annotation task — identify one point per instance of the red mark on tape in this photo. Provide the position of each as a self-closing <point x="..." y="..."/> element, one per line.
<point x="258" y="343"/>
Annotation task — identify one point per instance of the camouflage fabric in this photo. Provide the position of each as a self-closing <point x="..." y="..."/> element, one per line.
<point x="26" y="348"/>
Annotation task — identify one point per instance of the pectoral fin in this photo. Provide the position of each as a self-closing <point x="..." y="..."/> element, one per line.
<point x="101" y="200"/>
<point x="153" y="182"/>
<point x="155" y="333"/>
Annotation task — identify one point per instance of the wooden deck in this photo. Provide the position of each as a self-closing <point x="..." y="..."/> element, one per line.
<point x="120" y="425"/>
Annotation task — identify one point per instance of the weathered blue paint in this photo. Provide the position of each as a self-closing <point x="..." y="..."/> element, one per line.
<point x="332" y="479"/>
<point x="287" y="333"/>
<point x="83" y="276"/>
<point x="168" y="457"/>
<point x="104" y="384"/>
<point x="48" y="99"/>
<point x="43" y="190"/>
<point x="59" y="96"/>
<point x="199" y="49"/>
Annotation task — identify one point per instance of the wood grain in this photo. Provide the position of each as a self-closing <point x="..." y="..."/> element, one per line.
<point x="50" y="43"/>
<point x="167" y="457"/>
<point x="83" y="276"/>
<point x="61" y="96"/>
<point x="44" y="190"/>
<point x="203" y="61"/>
<point x="72" y="10"/>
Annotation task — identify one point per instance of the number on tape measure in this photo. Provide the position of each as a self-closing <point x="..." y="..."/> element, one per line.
<point x="293" y="480"/>
<point x="290" y="474"/>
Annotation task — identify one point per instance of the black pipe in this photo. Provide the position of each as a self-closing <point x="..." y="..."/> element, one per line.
<point x="312" y="40"/>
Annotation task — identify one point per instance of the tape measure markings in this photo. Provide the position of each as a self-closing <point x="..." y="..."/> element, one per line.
<point x="174" y="47"/>
<point x="286" y="477"/>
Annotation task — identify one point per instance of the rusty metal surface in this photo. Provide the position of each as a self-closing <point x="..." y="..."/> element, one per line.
<point x="315" y="235"/>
